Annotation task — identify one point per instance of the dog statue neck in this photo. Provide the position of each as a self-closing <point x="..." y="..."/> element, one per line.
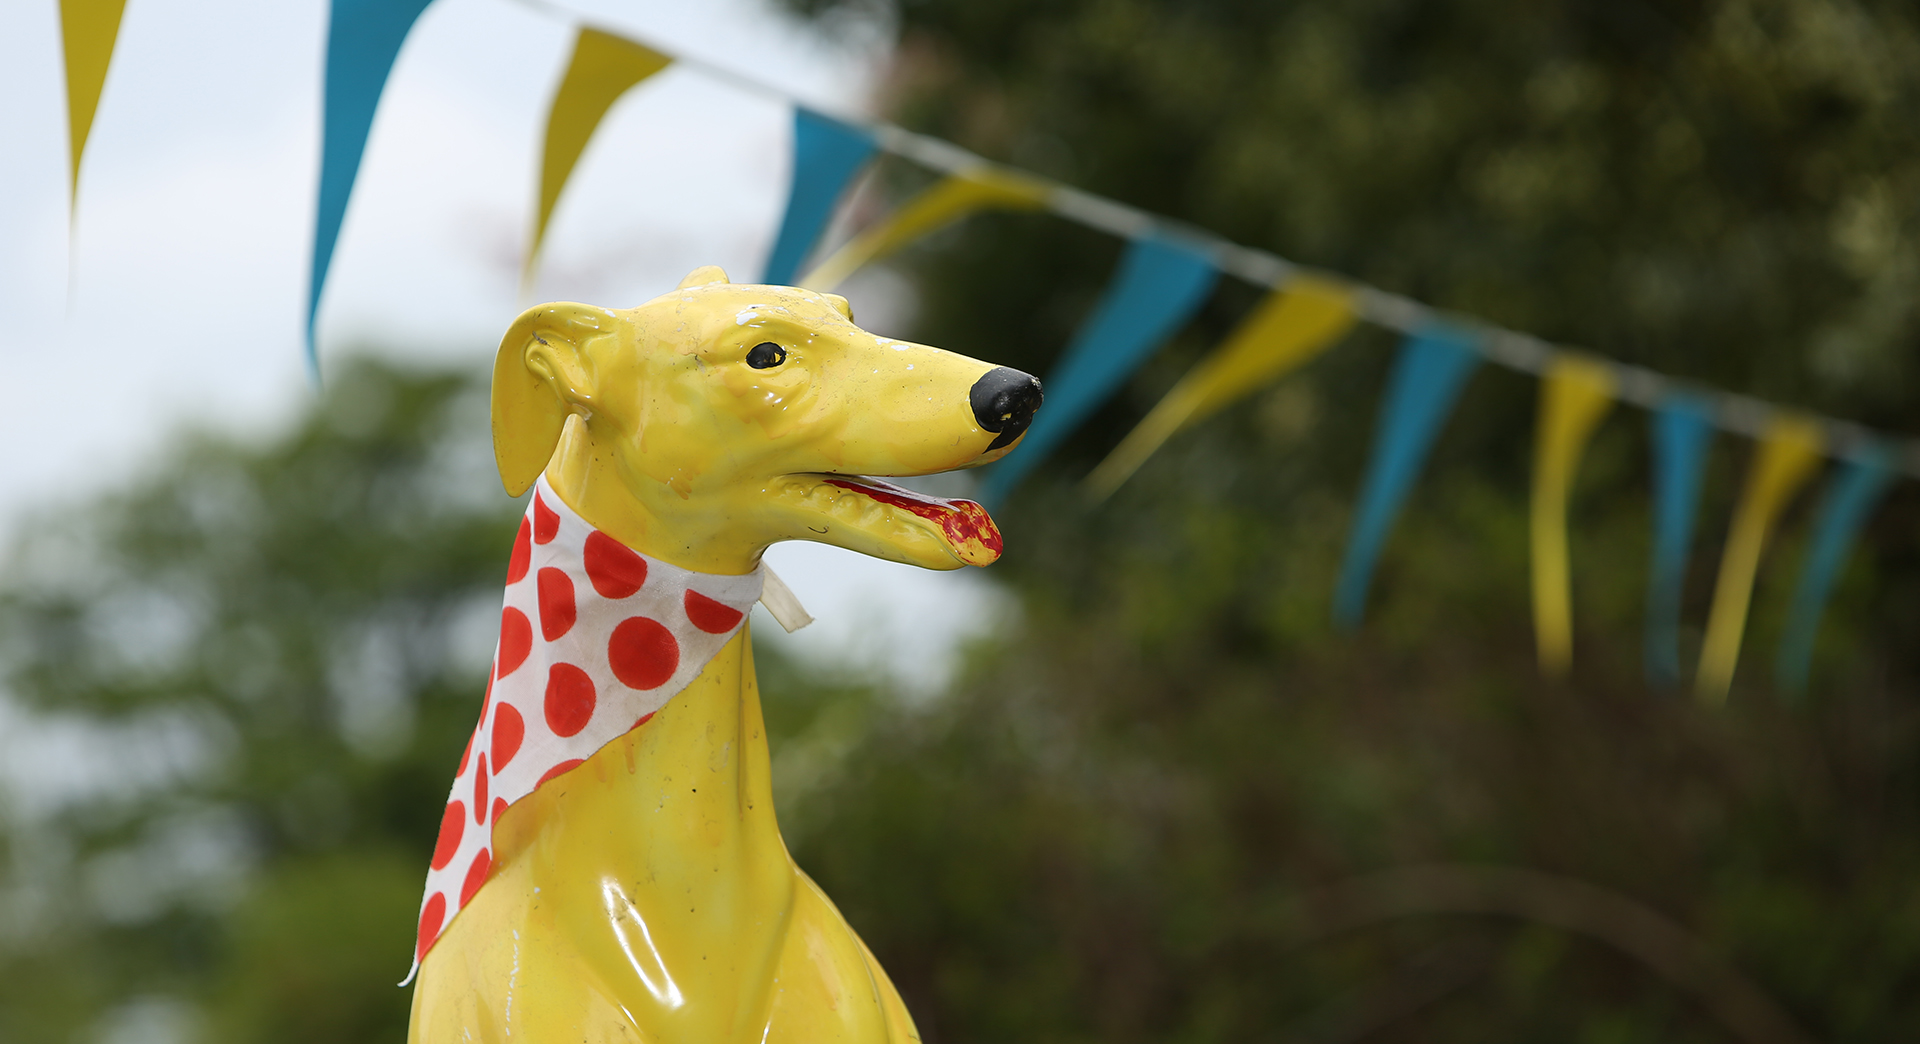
<point x="693" y="533"/>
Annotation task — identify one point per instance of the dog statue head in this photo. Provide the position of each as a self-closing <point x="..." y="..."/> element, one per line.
<point x="718" y="419"/>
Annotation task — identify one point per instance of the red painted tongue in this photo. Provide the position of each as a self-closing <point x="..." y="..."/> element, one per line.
<point x="969" y="530"/>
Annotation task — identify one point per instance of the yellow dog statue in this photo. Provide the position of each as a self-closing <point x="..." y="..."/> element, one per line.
<point x="609" y="867"/>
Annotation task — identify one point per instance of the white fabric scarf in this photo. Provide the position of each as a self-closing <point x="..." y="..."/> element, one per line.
<point x="594" y="638"/>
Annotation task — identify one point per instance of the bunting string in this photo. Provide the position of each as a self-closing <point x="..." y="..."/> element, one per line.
<point x="1165" y="275"/>
<point x="364" y="37"/>
<point x="1635" y="385"/>
<point x="854" y="140"/>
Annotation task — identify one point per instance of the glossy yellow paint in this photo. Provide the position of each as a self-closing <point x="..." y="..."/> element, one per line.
<point x="647" y="895"/>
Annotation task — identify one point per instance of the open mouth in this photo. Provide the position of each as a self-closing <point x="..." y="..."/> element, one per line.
<point x="869" y="512"/>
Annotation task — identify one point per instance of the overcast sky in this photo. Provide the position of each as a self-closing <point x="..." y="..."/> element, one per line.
<point x="179" y="296"/>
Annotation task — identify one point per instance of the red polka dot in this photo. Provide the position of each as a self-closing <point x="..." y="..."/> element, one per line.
<point x="546" y="521"/>
<point x="560" y="770"/>
<point x="499" y="806"/>
<point x="644" y="718"/>
<point x="522" y="555"/>
<point x="570" y="699"/>
<point x="453" y="823"/>
<point x="516" y="640"/>
<point x="476" y="876"/>
<point x="642" y="653"/>
<point x="430" y="918"/>
<point x="557" y="610"/>
<point x="710" y="616"/>
<point x="480" y="791"/>
<point x="615" y="569"/>
<point x="508" y="730"/>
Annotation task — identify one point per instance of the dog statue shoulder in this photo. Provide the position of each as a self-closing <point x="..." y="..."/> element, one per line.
<point x="608" y="866"/>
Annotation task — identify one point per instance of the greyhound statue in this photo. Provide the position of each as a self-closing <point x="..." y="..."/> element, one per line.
<point x="608" y="866"/>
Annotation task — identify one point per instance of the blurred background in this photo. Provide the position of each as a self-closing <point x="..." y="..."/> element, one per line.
<point x="1129" y="784"/>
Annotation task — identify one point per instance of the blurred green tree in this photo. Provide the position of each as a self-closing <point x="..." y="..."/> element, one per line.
<point x="236" y="691"/>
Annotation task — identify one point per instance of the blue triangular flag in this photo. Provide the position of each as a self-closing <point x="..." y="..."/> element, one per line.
<point x="1682" y="429"/>
<point x="363" y="39"/>
<point x="1161" y="283"/>
<point x="1844" y="508"/>
<point x="1426" y="381"/>
<point x="826" y="155"/>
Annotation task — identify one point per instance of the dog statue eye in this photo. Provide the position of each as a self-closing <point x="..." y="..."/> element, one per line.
<point x="766" y="355"/>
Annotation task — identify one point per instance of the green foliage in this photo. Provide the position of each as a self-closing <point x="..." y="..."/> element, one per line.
<point x="267" y="657"/>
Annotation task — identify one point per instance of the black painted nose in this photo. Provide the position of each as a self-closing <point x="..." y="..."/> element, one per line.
<point x="1003" y="401"/>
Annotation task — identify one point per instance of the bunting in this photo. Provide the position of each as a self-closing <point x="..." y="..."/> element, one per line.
<point x="1427" y="379"/>
<point x="603" y="68"/>
<point x="1575" y="393"/>
<point x="1682" y="430"/>
<point x="1848" y="500"/>
<point x="88" y="31"/>
<point x="934" y="209"/>
<point x="1285" y="331"/>
<point x="1161" y="283"/>
<point x="826" y="155"/>
<point x="1165" y="275"/>
<point x="1789" y="452"/>
<point x="363" y="39"/>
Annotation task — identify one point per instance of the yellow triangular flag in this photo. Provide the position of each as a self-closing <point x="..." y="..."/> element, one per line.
<point x="1286" y="330"/>
<point x="937" y="207"/>
<point x="1575" y="394"/>
<point x="88" y="29"/>
<point x="603" y="68"/>
<point x="1789" y="452"/>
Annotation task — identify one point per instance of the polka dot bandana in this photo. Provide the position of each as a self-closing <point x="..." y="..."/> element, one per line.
<point x="594" y="638"/>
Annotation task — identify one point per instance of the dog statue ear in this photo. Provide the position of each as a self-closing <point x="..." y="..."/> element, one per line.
<point x="703" y="275"/>
<point x="539" y="376"/>
<point x="840" y="305"/>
